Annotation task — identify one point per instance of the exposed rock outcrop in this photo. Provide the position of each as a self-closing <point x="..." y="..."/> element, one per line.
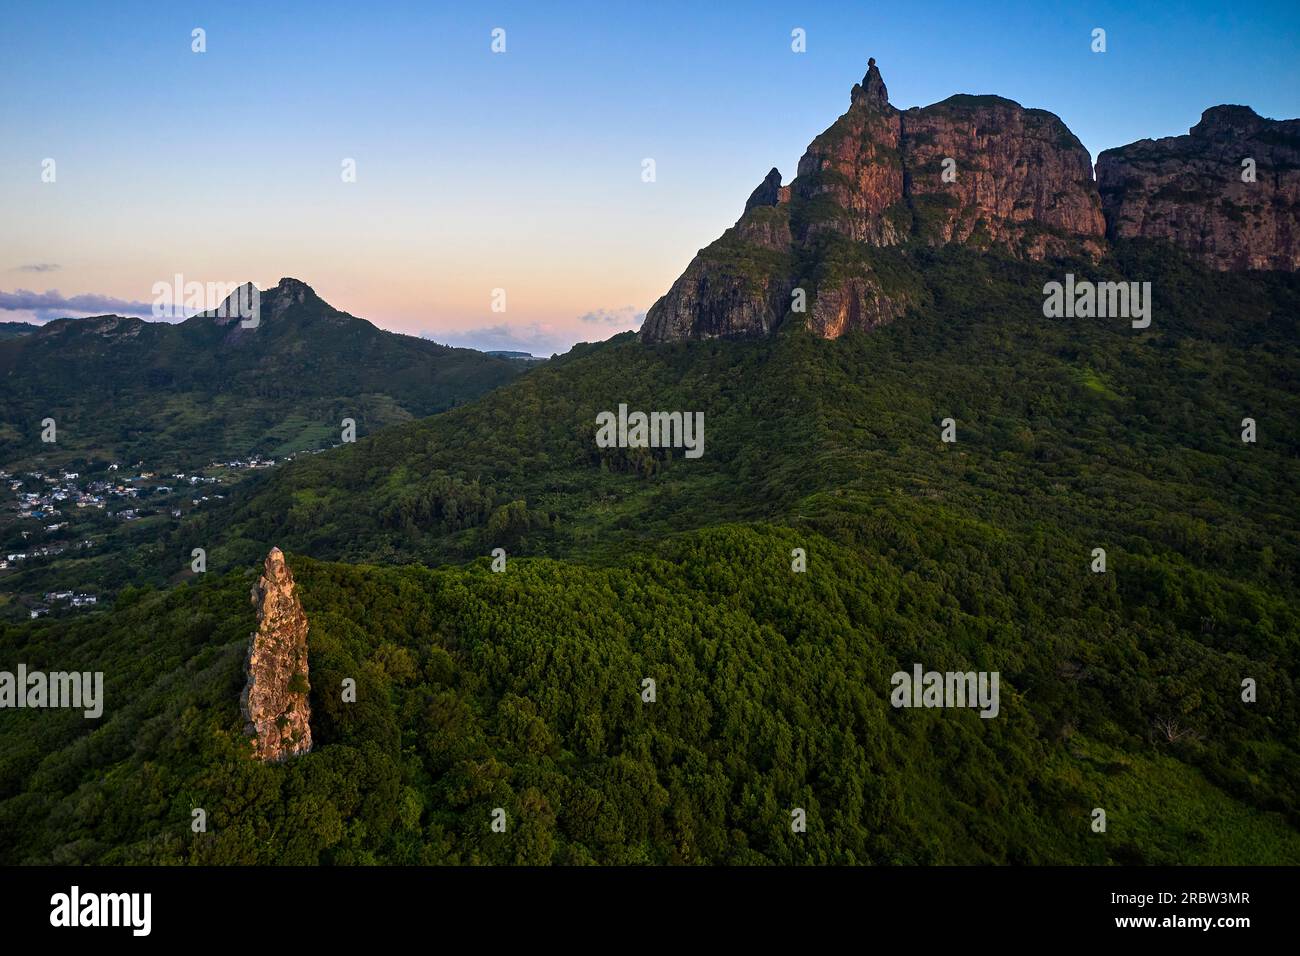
<point x="857" y="303"/>
<point x="1020" y="179"/>
<point x="768" y="192"/>
<point x="275" y="698"/>
<point x="875" y="178"/>
<point x="112" y="328"/>
<point x="1190" y="190"/>
<point x="983" y="171"/>
<point x="247" y="314"/>
<point x="852" y="174"/>
<point x="236" y="307"/>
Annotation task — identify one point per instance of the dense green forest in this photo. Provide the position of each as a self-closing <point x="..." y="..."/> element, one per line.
<point x="521" y="689"/>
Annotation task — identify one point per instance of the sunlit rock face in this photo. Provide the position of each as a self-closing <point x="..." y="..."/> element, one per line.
<point x="1018" y="180"/>
<point x="275" y="698"/>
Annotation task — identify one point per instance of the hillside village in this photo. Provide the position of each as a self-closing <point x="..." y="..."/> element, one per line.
<point x="47" y="514"/>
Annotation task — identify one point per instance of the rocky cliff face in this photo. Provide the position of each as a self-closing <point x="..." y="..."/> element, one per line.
<point x="274" y="702"/>
<point x="1018" y="180"/>
<point x="1190" y="190"/>
<point x="852" y="173"/>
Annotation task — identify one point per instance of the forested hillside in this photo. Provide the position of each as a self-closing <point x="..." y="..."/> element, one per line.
<point x="180" y="395"/>
<point x="522" y="689"/>
<point x="1079" y="427"/>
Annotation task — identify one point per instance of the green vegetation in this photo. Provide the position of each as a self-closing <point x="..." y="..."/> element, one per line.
<point x="10" y="330"/>
<point x="522" y="690"/>
<point x="181" y="395"/>
<point x="750" y="265"/>
<point x="794" y="419"/>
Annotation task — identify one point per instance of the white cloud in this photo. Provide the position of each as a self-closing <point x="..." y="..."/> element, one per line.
<point x="538" y="338"/>
<point x="51" y="304"/>
<point x="628" y="317"/>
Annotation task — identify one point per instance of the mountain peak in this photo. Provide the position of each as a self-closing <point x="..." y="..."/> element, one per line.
<point x="871" y="90"/>
<point x="874" y="179"/>
<point x="237" y="305"/>
<point x="247" y="301"/>
<point x="289" y="292"/>
<point x="293" y="286"/>
<point x="1227" y="118"/>
<point x="768" y="192"/>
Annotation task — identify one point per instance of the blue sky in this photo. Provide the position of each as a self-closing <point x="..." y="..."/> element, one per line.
<point x="521" y="171"/>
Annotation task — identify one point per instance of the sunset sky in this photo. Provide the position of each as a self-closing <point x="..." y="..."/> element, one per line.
<point x="520" y="170"/>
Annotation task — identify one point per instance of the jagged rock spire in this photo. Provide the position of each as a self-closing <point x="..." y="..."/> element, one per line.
<point x="275" y="698"/>
<point x="872" y="89"/>
<point x="768" y="192"/>
<point x="240" y="304"/>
